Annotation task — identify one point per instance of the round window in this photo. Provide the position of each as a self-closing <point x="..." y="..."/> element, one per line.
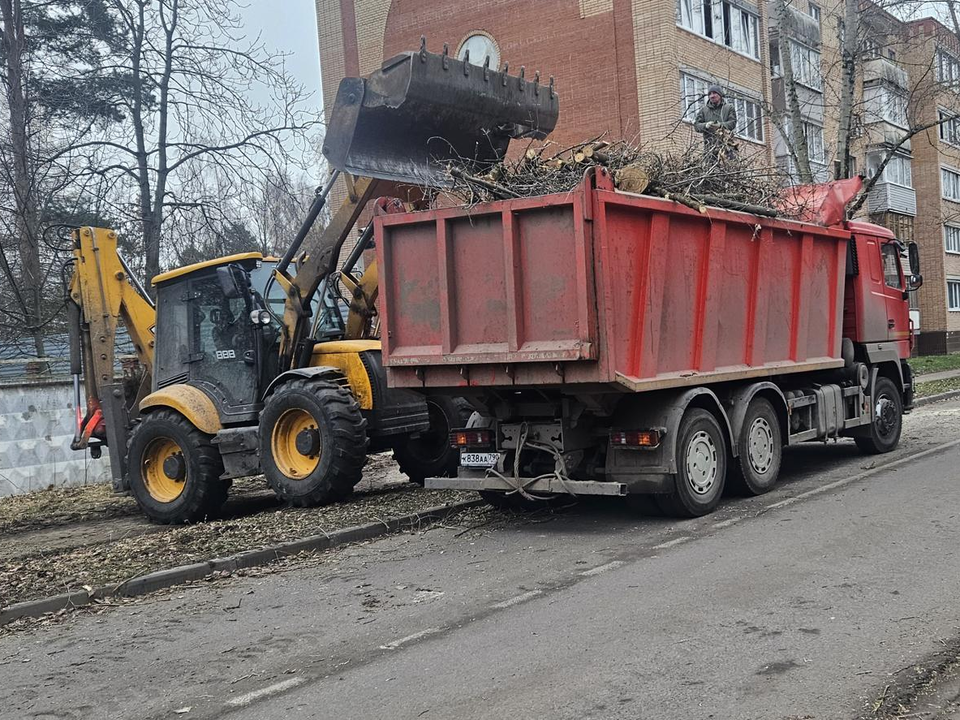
<point x="480" y="46"/>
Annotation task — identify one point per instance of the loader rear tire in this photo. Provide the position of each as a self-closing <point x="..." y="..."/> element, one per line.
<point x="430" y="453"/>
<point x="313" y="441"/>
<point x="173" y="470"/>
<point x="701" y="466"/>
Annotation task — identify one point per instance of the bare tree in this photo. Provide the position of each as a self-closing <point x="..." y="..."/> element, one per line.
<point x="58" y="82"/>
<point x="192" y="111"/>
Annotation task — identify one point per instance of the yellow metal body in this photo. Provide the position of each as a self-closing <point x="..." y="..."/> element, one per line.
<point x="345" y="356"/>
<point x="187" y="269"/>
<point x="161" y="488"/>
<point x="102" y="290"/>
<point x="283" y="443"/>
<point x="314" y="263"/>
<point x="363" y="299"/>
<point x="190" y="402"/>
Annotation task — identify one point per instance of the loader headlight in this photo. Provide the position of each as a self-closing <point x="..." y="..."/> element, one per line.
<point x="260" y="317"/>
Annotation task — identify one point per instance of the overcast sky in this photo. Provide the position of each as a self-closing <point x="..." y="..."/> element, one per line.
<point x="290" y="26"/>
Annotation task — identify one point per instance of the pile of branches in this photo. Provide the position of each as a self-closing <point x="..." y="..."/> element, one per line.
<point x="692" y="176"/>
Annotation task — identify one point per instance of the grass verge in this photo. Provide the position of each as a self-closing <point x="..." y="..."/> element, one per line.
<point x="934" y="363"/>
<point x="935" y="387"/>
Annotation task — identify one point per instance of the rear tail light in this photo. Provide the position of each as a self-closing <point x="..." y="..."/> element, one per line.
<point x="472" y="438"/>
<point x="635" y="438"/>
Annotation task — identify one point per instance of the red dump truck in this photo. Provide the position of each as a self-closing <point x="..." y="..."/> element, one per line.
<point x="619" y="344"/>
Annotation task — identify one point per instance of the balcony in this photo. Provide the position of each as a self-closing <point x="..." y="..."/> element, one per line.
<point x="884" y="70"/>
<point x="887" y="197"/>
<point x="796" y="24"/>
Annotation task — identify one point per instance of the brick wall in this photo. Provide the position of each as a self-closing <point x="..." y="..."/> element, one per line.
<point x="617" y="65"/>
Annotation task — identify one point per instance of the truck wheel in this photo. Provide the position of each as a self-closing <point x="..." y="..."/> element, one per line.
<point x="313" y="441"/>
<point x="885" y="429"/>
<point x="429" y="454"/>
<point x="173" y="470"/>
<point x="701" y="466"/>
<point x="760" y="449"/>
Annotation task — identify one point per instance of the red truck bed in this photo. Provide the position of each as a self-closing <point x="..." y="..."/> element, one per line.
<point x="599" y="286"/>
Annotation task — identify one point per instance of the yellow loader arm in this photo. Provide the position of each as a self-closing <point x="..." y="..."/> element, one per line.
<point x="102" y="293"/>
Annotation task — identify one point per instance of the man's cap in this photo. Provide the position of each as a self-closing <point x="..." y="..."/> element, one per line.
<point x="716" y="89"/>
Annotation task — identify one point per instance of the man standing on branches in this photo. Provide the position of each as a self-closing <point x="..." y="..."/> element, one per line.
<point x="716" y="121"/>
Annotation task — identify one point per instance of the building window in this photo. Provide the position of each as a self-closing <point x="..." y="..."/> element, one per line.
<point x="813" y="10"/>
<point x="806" y="65"/>
<point x="815" y="148"/>
<point x="749" y="116"/>
<point x="950" y="180"/>
<point x="948" y="68"/>
<point x="951" y="239"/>
<point x="884" y="103"/>
<point x="723" y="22"/>
<point x="480" y="46"/>
<point x="953" y="294"/>
<point x="899" y="169"/>
<point x="949" y="127"/>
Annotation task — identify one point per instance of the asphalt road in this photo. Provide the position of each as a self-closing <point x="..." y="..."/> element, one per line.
<point x="799" y="604"/>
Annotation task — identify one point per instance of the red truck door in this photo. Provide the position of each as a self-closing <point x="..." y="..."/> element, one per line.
<point x="894" y="289"/>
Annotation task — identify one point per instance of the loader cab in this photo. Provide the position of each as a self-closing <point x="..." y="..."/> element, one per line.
<point x="210" y="335"/>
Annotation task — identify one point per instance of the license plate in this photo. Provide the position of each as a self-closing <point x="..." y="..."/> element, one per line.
<point x="479" y="460"/>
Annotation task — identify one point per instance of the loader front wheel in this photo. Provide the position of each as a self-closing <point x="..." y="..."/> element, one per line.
<point x="313" y="441"/>
<point x="173" y="470"/>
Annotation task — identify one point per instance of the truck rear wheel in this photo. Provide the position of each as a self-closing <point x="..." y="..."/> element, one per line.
<point x="313" y="441"/>
<point x="701" y="466"/>
<point x="173" y="470"/>
<point x="430" y="454"/>
<point x="887" y="424"/>
<point x="759" y="449"/>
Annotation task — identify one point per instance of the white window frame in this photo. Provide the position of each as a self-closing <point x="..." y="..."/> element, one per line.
<point x="813" y="10"/>
<point x="887" y="104"/>
<point x="743" y="34"/>
<point x="951" y="240"/>
<point x="949" y="180"/>
<point x="953" y="294"/>
<point x="898" y="171"/>
<point x="949" y="129"/>
<point x="806" y="65"/>
<point x="948" y="68"/>
<point x="693" y="93"/>
<point x="814" y="131"/>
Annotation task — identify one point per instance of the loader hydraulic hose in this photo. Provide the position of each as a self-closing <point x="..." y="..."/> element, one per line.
<point x="318" y="202"/>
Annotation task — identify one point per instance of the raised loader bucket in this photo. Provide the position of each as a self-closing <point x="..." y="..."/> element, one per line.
<point x="420" y="111"/>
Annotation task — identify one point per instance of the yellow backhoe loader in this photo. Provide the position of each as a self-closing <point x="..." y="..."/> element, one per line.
<point x="245" y="365"/>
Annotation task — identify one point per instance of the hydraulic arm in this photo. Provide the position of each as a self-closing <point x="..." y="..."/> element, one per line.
<point x="103" y="292"/>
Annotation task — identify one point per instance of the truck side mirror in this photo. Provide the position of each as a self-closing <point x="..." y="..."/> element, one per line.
<point x="228" y="283"/>
<point x="914" y="281"/>
<point x="913" y="253"/>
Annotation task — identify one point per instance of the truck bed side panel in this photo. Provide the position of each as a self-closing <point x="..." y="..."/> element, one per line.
<point x="597" y="286"/>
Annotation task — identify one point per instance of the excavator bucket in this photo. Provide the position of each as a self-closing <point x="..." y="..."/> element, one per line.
<point x="421" y="111"/>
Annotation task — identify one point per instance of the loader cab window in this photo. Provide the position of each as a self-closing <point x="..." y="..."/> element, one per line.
<point x="173" y="343"/>
<point x="223" y="339"/>
<point x="890" y="254"/>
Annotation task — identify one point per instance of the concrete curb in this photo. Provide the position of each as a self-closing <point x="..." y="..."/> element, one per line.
<point x="249" y="558"/>
<point x="950" y="395"/>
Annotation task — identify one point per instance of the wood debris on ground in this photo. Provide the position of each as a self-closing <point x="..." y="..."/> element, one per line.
<point x="689" y="176"/>
<point x="51" y="573"/>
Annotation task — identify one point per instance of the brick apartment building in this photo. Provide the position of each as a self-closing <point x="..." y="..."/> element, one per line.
<point x="638" y="69"/>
